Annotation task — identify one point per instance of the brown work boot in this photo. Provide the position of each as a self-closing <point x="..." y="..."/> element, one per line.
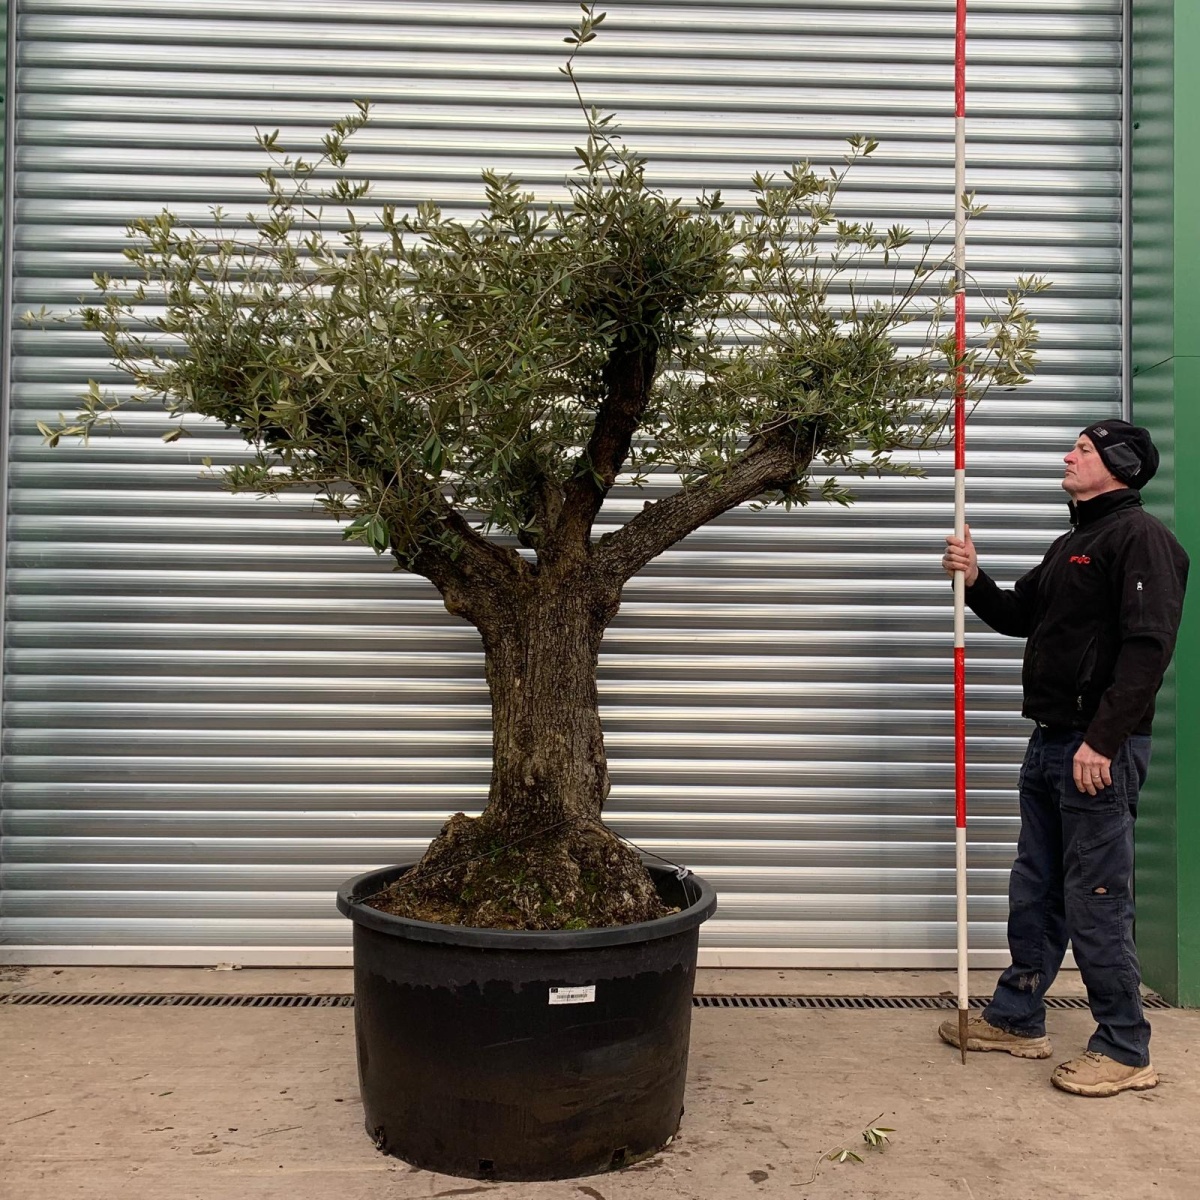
<point x="982" y="1036"/>
<point x="1098" y="1075"/>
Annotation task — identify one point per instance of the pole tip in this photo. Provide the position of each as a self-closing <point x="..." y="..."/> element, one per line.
<point x="962" y="1034"/>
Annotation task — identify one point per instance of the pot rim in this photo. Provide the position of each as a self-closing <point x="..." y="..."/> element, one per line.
<point x="352" y="894"/>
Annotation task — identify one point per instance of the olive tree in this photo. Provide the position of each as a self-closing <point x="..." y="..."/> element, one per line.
<point x="464" y="395"/>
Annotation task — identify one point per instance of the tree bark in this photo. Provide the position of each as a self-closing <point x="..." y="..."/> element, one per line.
<point x="628" y="379"/>
<point x="769" y="462"/>
<point x="549" y="764"/>
<point x="539" y="857"/>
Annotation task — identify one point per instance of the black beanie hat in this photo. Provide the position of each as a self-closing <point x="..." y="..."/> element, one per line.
<point x="1126" y="450"/>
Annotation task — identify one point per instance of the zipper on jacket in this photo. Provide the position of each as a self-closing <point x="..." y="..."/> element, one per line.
<point x="1087" y="662"/>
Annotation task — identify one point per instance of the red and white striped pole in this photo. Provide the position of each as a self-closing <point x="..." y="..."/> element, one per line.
<point x="960" y="430"/>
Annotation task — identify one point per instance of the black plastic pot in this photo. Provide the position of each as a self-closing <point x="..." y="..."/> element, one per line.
<point x="473" y="1061"/>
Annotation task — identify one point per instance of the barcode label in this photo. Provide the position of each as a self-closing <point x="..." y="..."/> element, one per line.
<point x="573" y="995"/>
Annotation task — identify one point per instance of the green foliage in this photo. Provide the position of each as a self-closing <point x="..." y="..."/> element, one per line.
<point x="415" y="367"/>
<point x="875" y="1136"/>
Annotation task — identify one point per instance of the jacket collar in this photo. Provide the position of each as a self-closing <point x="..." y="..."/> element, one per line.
<point x="1086" y="512"/>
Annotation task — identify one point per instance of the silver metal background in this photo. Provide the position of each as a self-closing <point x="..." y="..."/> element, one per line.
<point x="215" y="711"/>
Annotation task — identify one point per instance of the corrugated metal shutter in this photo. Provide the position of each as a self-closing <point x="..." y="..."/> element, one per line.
<point x="215" y="711"/>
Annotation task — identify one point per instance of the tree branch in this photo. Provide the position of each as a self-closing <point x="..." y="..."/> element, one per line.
<point x="769" y="462"/>
<point x="471" y="580"/>
<point x="628" y="376"/>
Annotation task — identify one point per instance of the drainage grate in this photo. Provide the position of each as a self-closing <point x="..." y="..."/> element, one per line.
<point x="177" y="1000"/>
<point x="938" y="1003"/>
<point x="288" y="1000"/>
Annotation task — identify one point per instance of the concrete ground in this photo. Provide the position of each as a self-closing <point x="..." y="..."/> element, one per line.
<point x="247" y="1104"/>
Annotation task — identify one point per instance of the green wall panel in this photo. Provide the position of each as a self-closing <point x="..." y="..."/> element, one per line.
<point x="1166" y="398"/>
<point x="1186" y="362"/>
<point x="1157" y="835"/>
<point x="1187" y="523"/>
<point x="1187" y="191"/>
<point x="1152" y="286"/>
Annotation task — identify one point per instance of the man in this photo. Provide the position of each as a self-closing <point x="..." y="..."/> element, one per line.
<point x="1100" y="613"/>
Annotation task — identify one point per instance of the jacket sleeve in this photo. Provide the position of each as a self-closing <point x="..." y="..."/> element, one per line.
<point x="1007" y="612"/>
<point x="1151" y="581"/>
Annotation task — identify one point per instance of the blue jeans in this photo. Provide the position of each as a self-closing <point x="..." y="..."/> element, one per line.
<point x="1073" y="878"/>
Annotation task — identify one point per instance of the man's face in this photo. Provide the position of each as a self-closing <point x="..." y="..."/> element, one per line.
<point x="1086" y="475"/>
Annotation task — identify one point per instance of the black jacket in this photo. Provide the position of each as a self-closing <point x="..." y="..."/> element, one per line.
<point x="1101" y="612"/>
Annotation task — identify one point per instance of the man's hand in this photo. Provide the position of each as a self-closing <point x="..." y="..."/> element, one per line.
<point x="1091" y="770"/>
<point x="960" y="556"/>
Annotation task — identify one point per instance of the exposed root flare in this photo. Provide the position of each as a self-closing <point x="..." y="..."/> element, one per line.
<point x="578" y="876"/>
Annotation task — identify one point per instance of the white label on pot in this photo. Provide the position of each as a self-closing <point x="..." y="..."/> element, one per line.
<point x="573" y="995"/>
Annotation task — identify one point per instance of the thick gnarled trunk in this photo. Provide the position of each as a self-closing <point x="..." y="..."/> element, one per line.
<point x="539" y="857"/>
<point x="549" y="764"/>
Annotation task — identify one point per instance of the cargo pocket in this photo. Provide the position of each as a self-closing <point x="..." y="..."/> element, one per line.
<point x="1098" y="836"/>
<point x="1103" y="850"/>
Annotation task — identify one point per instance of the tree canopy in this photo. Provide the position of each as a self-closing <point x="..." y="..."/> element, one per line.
<point x="436" y="381"/>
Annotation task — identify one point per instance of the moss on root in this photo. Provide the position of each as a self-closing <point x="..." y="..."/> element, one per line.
<point x="576" y="877"/>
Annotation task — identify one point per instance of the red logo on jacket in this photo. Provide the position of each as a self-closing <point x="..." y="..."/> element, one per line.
<point x="1082" y="559"/>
